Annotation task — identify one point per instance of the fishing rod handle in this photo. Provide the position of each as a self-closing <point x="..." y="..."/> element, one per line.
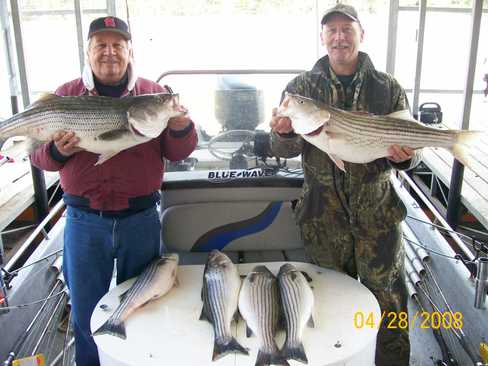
<point x="481" y="282"/>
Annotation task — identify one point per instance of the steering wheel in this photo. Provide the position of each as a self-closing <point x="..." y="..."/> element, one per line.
<point x="228" y="144"/>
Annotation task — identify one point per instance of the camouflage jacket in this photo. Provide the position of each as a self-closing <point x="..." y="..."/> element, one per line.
<point x="364" y="192"/>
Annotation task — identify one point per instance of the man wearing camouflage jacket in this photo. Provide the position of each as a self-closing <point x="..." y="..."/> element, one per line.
<point x="350" y="221"/>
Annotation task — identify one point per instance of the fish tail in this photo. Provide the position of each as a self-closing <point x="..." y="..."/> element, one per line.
<point x="465" y="139"/>
<point x="275" y="358"/>
<point x="220" y="349"/>
<point x="294" y="353"/>
<point x="116" y="328"/>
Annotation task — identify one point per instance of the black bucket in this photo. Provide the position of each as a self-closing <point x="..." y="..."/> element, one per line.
<point x="430" y="113"/>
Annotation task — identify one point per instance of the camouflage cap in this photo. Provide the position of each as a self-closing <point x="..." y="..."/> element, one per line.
<point x="110" y="23"/>
<point x="343" y="9"/>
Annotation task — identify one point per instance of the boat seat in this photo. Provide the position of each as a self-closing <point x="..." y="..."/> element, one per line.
<point x="232" y="226"/>
<point x="253" y="256"/>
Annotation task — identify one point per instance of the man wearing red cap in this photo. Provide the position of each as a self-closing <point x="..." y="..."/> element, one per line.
<point x="111" y="208"/>
<point x="350" y="220"/>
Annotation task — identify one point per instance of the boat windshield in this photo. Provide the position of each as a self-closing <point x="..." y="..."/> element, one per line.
<point x="231" y="110"/>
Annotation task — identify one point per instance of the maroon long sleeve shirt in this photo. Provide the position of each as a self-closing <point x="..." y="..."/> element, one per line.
<point x="132" y="173"/>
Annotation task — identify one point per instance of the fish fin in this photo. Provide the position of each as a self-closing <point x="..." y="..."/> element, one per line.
<point x="334" y="134"/>
<point x="206" y="313"/>
<point x="249" y="332"/>
<point x="307" y="276"/>
<point x="281" y="324"/>
<point x="111" y="327"/>
<point x="265" y="359"/>
<point x="310" y="322"/>
<point x="403" y="114"/>
<point x="294" y="353"/>
<point x="45" y="97"/>
<point x="337" y="161"/>
<point x="145" y="123"/>
<point x="203" y="290"/>
<point x="251" y="277"/>
<point x="220" y="350"/>
<point x="102" y="158"/>
<point x="204" y="316"/>
<point x="148" y="301"/>
<point x="112" y="135"/>
<point x="123" y="295"/>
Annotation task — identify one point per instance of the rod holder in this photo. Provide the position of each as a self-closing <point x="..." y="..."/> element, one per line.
<point x="481" y="282"/>
<point x="3" y="295"/>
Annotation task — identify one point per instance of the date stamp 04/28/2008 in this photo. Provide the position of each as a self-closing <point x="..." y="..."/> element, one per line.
<point x="402" y="320"/>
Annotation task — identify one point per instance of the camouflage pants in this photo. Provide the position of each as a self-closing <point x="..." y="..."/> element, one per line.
<point x="377" y="258"/>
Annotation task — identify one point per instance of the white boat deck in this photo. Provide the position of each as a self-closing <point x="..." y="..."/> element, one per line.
<point x="474" y="192"/>
<point x="16" y="188"/>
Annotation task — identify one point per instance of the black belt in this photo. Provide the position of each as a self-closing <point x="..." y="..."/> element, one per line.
<point x="111" y="214"/>
<point x="136" y="204"/>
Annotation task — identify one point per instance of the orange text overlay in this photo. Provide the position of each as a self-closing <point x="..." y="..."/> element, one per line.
<point x="421" y="319"/>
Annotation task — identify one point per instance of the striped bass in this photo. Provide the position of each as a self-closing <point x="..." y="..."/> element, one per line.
<point x="260" y="308"/>
<point x="297" y="302"/>
<point x="362" y="138"/>
<point x="155" y="281"/>
<point x="220" y="296"/>
<point x="104" y="125"/>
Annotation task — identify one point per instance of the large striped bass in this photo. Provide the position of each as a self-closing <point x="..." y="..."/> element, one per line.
<point x="104" y="125"/>
<point x="155" y="281"/>
<point x="362" y="138"/>
<point x="260" y="308"/>
<point x="297" y="302"/>
<point x="220" y="296"/>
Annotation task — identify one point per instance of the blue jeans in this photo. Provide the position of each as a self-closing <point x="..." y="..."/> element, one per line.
<point x="91" y="243"/>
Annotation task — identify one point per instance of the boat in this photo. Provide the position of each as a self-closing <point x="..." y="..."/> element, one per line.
<point x="235" y="197"/>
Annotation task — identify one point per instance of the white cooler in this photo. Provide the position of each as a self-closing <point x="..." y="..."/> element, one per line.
<point x="168" y="331"/>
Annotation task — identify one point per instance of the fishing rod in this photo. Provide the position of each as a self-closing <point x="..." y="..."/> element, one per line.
<point x="476" y="244"/>
<point x="23" y="337"/>
<point x="21" y="341"/>
<point x="435" y="289"/>
<point x="67" y="344"/>
<point x="3" y="295"/>
<point x="447" y="357"/>
<point x="438" y="216"/>
<point x="54" y="311"/>
<point x="458" y="333"/>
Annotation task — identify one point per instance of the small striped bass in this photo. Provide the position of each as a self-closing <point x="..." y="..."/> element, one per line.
<point x="104" y="125"/>
<point x="155" y="281"/>
<point x="260" y="308"/>
<point x="297" y="302"/>
<point x="362" y="138"/>
<point x="220" y="296"/>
